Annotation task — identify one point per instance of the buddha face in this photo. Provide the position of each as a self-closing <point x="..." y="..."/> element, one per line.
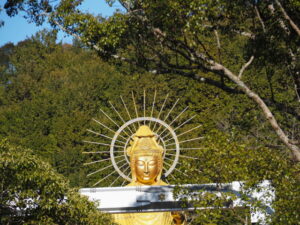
<point x="146" y="169"/>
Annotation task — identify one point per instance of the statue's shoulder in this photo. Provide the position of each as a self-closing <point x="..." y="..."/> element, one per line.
<point x="162" y="183"/>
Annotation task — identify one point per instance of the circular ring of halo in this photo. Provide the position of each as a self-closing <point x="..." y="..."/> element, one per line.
<point x="137" y="120"/>
<point x="125" y="147"/>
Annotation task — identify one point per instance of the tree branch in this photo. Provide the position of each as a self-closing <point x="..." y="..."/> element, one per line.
<point x="197" y="77"/>
<point x="260" y="19"/>
<point x="125" y="5"/>
<point x="282" y="25"/>
<point x="286" y="16"/>
<point x="202" y="45"/>
<point x="245" y="67"/>
<point x="295" y="150"/>
<point x="218" y="45"/>
<point x="245" y="34"/>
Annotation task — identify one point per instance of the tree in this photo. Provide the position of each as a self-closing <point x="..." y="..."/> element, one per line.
<point x="55" y="90"/>
<point x="219" y="38"/>
<point x="225" y="158"/>
<point x="1" y="21"/>
<point x="32" y="192"/>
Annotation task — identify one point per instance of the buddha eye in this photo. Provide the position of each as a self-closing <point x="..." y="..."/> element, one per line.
<point x="140" y="163"/>
<point x="152" y="163"/>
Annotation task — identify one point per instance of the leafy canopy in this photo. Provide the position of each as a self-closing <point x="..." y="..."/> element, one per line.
<point x="33" y="192"/>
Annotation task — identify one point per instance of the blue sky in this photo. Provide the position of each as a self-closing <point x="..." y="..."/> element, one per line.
<point x="17" y="28"/>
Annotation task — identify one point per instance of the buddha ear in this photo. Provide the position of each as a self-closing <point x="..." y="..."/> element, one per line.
<point x="160" y="169"/>
<point x="128" y="151"/>
<point x="134" y="179"/>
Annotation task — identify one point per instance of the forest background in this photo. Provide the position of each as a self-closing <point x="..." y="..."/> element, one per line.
<point x="50" y="92"/>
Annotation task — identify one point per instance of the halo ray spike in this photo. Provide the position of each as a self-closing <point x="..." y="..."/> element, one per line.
<point x="173" y="176"/>
<point x="183" y="156"/>
<point x="180" y="125"/>
<point x="185" y="132"/>
<point x="102" y="152"/>
<point x="123" y="183"/>
<point x="127" y="111"/>
<point x="182" y="149"/>
<point x="114" y="122"/>
<point x="153" y="104"/>
<point x="90" y="163"/>
<point x="109" y="117"/>
<point x="160" y="111"/>
<point x="175" y="119"/>
<point x="170" y="175"/>
<point x="135" y="108"/>
<point x="118" y="176"/>
<point x="185" y="122"/>
<point x="119" y="115"/>
<point x="114" y="181"/>
<point x="177" y="170"/>
<point x="193" y="139"/>
<point x="102" y="135"/>
<point x="108" y="128"/>
<point x="102" y="160"/>
<point x="99" y="143"/>
<point x="104" y="178"/>
<point x="124" y="179"/>
<point x="144" y="106"/>
<point x="167" y="116"/>
<point x="104" y="168"/>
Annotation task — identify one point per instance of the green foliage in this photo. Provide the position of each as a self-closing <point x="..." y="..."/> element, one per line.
<point x="33" y="193"/>
<point x="225" y="159"/>
<point x="165" y="36"/>
<point x="52" y="91"/>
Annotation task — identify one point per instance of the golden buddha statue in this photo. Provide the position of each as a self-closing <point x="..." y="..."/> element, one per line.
<point x="146" y="163"/>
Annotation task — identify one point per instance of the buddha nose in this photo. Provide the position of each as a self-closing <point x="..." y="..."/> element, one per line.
<point x="146" y="169"/>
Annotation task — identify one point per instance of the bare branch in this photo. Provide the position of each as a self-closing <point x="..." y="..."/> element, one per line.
<point x="260" y="19"/>
<point x="294" y="142"/>
<point x="218" y="39"/>
<point x="245" y="67"/>
<point x="286" y="16"/>
<point x="244" y="33"/>
<point x="218" y="45"/>
<point x="202" y="45"/>
<point x="125" y="4"/>
<point x="295" y="150"/>
<point x="285" y="28"/>
<point x="296" y="90"/>
<point x="282" y="24"/>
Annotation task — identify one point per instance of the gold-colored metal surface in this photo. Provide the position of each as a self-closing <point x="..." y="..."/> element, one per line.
<point x="146" y="163"/>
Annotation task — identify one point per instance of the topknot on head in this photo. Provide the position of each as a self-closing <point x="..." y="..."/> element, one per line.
<point x="144" y="143"/>
<point x="144" y="131"/>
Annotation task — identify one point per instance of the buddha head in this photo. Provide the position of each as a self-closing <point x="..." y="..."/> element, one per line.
<point x="145" y="157"/>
